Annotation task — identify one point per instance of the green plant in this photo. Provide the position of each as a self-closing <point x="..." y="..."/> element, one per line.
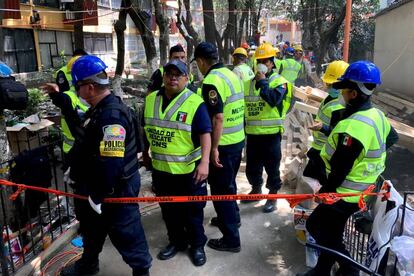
<point x="63" y="59"/>
<point x="36" y="97"/>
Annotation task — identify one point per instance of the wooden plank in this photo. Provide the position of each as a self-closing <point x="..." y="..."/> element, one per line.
<point x="405" y="133"/>
<point x="306" y="108"/>
<point x="394" y="98"/>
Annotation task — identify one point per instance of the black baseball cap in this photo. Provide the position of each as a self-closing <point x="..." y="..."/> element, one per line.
<point x="205" y="50"/>
<point x="177" y="64"/>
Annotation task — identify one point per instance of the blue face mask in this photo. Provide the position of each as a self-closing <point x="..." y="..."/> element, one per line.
<point x="333" y="92"/>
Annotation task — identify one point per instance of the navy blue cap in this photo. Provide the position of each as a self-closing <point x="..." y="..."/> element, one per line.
<point x="177" y="64"/>
<point x="205" y="50"/>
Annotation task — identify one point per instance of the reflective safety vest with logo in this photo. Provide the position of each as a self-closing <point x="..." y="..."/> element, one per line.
<point x="169" y="132"/>
<point x="247" y="76"/>
<point x="324" y="116"/>
<point x="78" y="106"/>
<point x="230" y="88"/>
<point x="290" y="69"/>
<point x="261" y="118"/>
<point x="371" y="128"/>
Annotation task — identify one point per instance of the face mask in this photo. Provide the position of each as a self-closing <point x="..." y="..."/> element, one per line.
<point x="333" y="92"/>
<point x="341" y="100"/>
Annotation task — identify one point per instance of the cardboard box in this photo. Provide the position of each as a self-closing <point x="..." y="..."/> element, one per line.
<point x="25" y="136"/>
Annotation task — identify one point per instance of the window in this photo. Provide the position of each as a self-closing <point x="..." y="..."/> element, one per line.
<point x="52" y="44"/>
<point x="116" y="4"/>
<point x="104" y="3"/>
<point x="19" y="50"/>
<point x="47" y="3"/>
<point x="98" y="43"/>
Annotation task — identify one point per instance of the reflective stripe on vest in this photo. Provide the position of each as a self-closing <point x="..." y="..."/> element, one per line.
<point x="169" y="134"/>
<point x="68" y="139"/>
<point x="371" y="162"/>
<point x="261" y="118"/>
<point x="230" y="88"/>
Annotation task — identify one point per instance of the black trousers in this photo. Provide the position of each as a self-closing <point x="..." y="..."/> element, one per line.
<point x="263" y="151"/>
<point x="122" y="222"/>
<point x="315" y="167"/>
<point x="326" y="224"/>
<point x="184" y="221"/>
<point x="223" y="182"/>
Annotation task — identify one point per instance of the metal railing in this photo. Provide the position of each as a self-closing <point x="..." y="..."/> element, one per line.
<point x="34" y="220"/>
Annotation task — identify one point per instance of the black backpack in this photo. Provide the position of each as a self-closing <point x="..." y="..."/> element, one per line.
<point x="13" y="94"/>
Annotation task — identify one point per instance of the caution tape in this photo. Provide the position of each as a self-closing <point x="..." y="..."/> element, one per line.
<point x="293" y="199"/>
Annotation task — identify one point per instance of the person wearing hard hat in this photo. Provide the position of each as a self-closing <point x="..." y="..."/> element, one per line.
<point x="104" y="164"/>
<point x="222" y="92"/>
<point x="241" y="69"/>
<point x="354" y="157"/>
<point x="177" y="52"/>
<point x="251" y="59"/>
<point x="267" y="103"/>
<point x="289" y="67"/>
<point x="321" y="130"/>
<point x="72" y="107"/>
<point x="278" y="59"/>
<point x="304" y="77"/>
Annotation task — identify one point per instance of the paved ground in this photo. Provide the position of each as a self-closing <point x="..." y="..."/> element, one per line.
<point x="269" y="246"/>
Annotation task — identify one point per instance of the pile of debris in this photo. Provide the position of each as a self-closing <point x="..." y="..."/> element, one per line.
<point x="395" y="108"/>
<point x="295" y="144"/>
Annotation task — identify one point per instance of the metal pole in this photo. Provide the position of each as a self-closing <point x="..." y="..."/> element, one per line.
<point x="347" y="29"/>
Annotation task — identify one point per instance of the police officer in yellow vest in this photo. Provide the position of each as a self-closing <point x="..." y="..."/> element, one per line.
<point x="177" y="127"/>
<point x="222" y="91"/>
<point x="324" y="125"/>
<point x="241" y="69"/>
<point x="289" y="67"/>
<point x="354" y="156"/>
<point x="267" y="103"/>
<point x="177" y="52"/>
<point x="72" y="107"/>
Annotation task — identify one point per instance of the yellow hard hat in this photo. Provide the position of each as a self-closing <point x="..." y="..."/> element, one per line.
<point x="334" y="70"/>
<point x="298" y="47"/>
<point x="71" y="62"/>
<point x="240" y="51"/>
<point x="265" y="50"/>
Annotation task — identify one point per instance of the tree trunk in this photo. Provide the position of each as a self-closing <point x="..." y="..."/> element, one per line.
<point x="210" y="31"/>
<point x="163" y="25"/>
<point x="1" y="32"/>
<point x="78" y="26"/>
<point x="243" y="19"/>
<point x="142" y="21"/>
<point x="120" y="27"/>
<point x="229" y="34"/>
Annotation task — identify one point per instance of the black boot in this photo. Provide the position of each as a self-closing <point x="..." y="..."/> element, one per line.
<point x="140" y="272"/>
<point x="215" y="222"/>
<point x="255" y="190"/>
<point x="270" y="204"/>
<point x="81" y="268"/>
<point x="311" y="272"/>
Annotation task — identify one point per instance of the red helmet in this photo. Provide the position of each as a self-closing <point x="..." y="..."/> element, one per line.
<point x="245" y="45"/>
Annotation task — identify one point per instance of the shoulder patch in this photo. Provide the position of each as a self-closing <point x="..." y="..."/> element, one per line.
<point x="212" y="97"/>
<point x="113" y="141"/>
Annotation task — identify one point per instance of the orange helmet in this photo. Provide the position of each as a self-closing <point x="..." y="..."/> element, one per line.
<point x="245" y="45"/>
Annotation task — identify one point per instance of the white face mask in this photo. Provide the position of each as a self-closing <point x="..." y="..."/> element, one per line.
<point x="341" y="100"/>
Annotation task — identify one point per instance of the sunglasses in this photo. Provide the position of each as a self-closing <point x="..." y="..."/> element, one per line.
<point x="171" y="75"/>
<point x="79" y="84"/>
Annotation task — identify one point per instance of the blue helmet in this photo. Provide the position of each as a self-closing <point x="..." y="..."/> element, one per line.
<point x="362" y="72"/>
<point x="5" y="71"/>
<point x="290" y="51"/>
<point x="86" y="68"/>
